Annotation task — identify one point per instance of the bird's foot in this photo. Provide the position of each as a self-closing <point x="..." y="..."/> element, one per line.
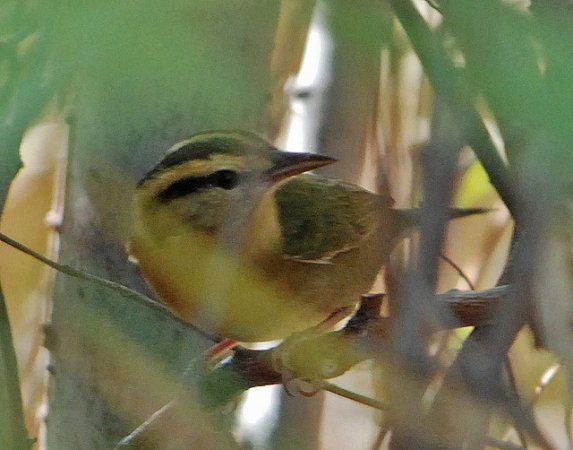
<point x="304" y="358"/>
<point x="294" y="386"/>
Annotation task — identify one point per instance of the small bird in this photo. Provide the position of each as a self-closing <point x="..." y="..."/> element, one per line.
<point x="236" y="239"/>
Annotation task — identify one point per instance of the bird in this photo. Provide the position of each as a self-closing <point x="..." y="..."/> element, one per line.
<point x="236" y="238"/>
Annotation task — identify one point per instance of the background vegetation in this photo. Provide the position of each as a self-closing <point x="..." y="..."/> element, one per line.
<point x="438" y="103"/>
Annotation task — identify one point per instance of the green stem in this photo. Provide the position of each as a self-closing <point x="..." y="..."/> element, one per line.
<point x="359" y="398"/>
<point x="448" y="85"/>
<point x="12" y="429"/>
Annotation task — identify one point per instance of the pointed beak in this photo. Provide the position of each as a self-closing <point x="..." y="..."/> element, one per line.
<point x="287" y="164"/>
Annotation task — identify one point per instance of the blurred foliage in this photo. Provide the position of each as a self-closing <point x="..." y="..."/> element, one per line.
<point x="21" y="100"/>
<point x="135" y="76"/>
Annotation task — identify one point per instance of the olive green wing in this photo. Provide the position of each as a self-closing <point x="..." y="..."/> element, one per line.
<point x="321" y="218"/>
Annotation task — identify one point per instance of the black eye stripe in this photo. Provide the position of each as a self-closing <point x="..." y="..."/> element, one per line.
<point x="225" y="179"/>
<point x="183" y="187"/>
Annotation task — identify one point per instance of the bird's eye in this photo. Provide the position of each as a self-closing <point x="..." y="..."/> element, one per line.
<point x="225" y="179"/>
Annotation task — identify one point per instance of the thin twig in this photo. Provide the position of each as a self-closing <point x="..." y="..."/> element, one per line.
<point x="567" y="419"/>
<point x="502" y="445"/>
<point x="546" y="378"/>
<point x="135" y="434"/>
<point x="122" y="290"/>
<point x="459" y="270"/>
<point x="382" y="432"/>
<point x="359" y="398"/>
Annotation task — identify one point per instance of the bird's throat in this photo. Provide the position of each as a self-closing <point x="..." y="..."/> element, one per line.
<point x="262" y="238"/>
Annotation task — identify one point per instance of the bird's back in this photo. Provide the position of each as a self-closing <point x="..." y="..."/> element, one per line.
<point x="321" y="217"/>
<point x="335" y="238"/>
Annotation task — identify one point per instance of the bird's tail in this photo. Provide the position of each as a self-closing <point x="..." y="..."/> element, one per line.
<point x="412" y="217"/>
<point x="456" y="213"/>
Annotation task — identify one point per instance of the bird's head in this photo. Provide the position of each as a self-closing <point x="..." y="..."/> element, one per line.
<point x="202" y="180"/>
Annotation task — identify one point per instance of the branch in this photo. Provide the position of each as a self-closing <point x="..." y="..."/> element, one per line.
<point x="120" y="289"/>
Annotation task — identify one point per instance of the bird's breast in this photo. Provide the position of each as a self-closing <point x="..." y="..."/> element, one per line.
<point x="222" y="293"/>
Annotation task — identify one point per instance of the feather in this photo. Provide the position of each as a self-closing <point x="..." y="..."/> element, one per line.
<point x="314" y="231"/>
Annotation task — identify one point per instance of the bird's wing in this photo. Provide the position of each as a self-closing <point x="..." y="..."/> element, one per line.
<point x="321" y="218"/>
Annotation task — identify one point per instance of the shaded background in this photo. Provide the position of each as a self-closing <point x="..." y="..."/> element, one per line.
<point x="449" y="102"/>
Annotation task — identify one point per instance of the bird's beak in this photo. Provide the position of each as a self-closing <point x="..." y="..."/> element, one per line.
<point x="287" y="164"/>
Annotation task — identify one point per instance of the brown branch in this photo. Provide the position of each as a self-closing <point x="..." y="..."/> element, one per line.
<point x="477" y="370"/>
<point x="473" y="308"/>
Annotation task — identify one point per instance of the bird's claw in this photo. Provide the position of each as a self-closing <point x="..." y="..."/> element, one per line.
<point x="288" y="359"/>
